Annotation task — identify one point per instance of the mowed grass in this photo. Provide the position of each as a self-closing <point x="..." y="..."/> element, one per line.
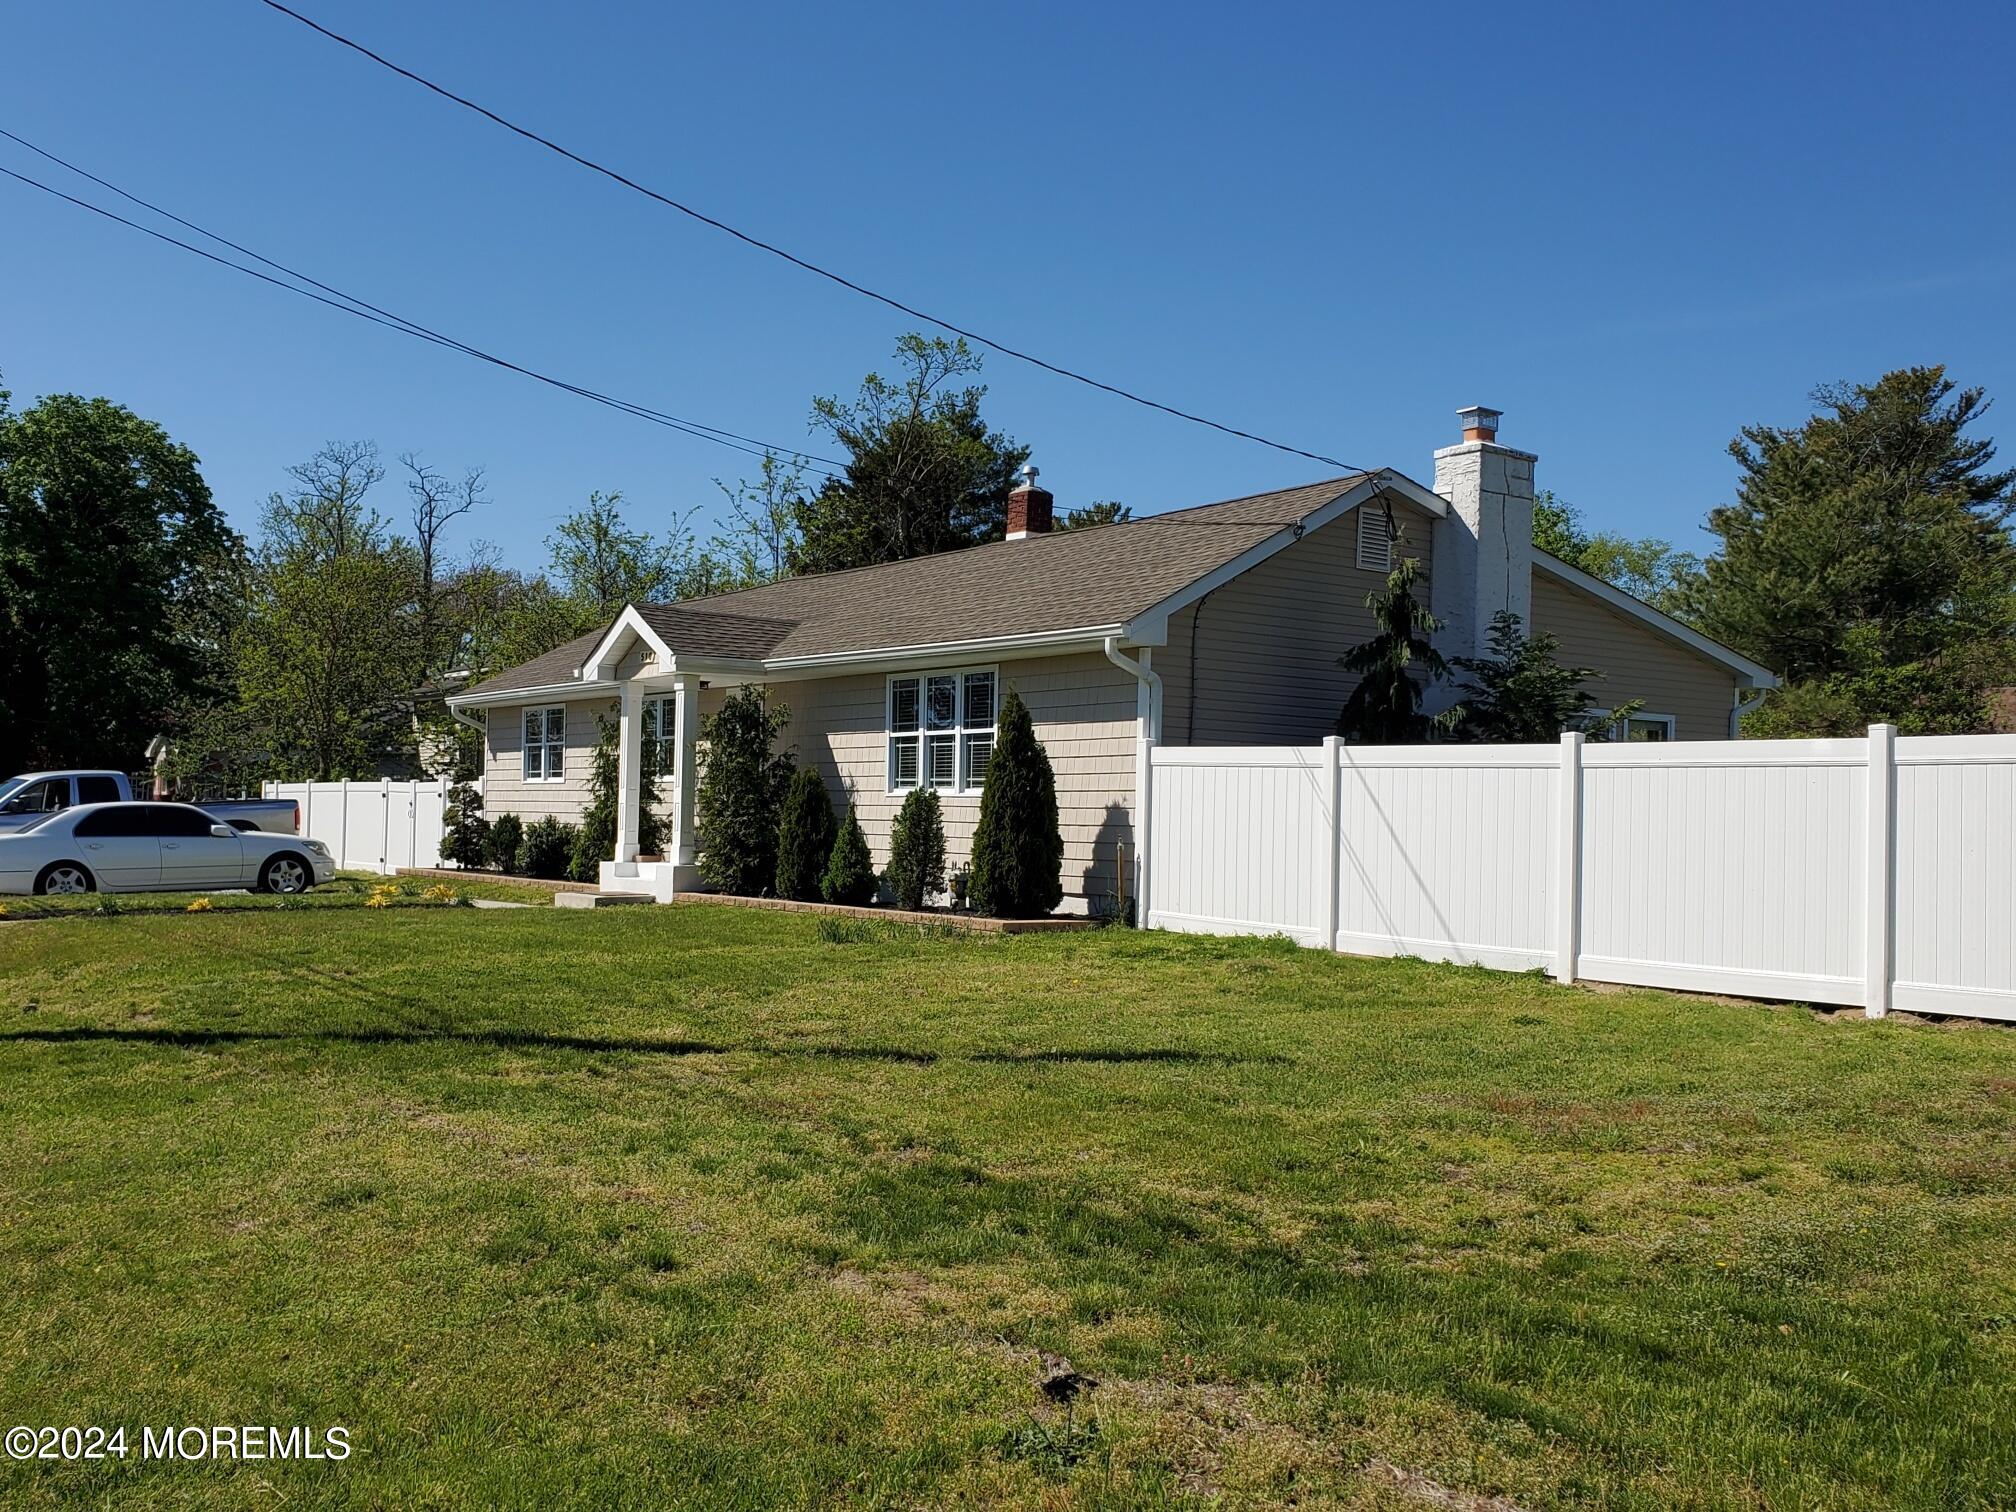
<point x="346" y="890"/>
<point x="690" y="1206"/>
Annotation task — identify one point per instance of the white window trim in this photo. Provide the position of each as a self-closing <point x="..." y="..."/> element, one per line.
<point x="958" y="729"/>
<point x="525" y="746"/>
<point x="1672" y="724"/>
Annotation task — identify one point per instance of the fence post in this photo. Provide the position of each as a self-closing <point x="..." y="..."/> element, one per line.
<point x="1333" y="787"/>
<point x="1879" y="870"/>
<point x="385" y="866"/>
<point x="1568" y="861"/>
<point x="1144" y="798"/>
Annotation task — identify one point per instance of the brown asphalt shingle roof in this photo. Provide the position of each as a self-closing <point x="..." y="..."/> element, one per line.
<point x="1072" y="580"/>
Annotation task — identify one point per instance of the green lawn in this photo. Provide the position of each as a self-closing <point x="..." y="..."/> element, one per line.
<point x="693" y="1206"/>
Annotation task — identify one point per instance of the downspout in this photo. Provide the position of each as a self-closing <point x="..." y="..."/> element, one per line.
<point x="1150" y="727"/>
<point x="1741" y="706"/>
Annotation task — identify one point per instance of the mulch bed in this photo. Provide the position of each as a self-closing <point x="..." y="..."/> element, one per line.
<point x="977" y="923"/>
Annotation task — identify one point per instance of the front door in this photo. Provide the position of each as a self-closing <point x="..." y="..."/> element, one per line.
<point x="192" y="858"/>
<point x="120" y="847"/>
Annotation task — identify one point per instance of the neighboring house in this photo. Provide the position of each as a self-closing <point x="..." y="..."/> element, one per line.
<point x="1209" y="626"/>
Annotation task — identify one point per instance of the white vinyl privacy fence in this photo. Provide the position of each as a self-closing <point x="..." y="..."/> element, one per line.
<point x="371" y="826"/>
<point x="1877" y="872"/>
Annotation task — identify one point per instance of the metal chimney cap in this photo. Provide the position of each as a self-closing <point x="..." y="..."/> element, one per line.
<point x="1026" y="475"/>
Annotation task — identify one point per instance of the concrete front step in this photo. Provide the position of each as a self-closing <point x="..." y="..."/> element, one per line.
<point x="598" y="899"/>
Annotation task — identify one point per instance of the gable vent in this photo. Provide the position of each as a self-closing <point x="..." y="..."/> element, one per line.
<point x="1375" y="539"/>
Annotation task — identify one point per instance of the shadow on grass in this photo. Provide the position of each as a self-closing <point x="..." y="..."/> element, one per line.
<point x="516" y="1039"/>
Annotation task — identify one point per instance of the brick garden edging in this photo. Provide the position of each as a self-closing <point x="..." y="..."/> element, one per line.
<point x="973" y="923"/>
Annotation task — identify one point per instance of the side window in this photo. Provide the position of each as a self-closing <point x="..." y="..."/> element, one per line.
<point x="178" y="823"/>
<point x="97" y="790"/>
<point x="127" y="819"/>
<point x="44" y="797"/>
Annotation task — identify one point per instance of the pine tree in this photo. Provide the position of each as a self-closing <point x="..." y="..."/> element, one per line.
<point x="1018" y="849"/>
<point x="1385" y="707"/>
<point x="742" y="784"/>
<point x="465" y="836"/>
<point x="917" y="850"/>
<point x="850" y="872"/>
<point x="804" y="837"/>
<point x="1867" y="560"/>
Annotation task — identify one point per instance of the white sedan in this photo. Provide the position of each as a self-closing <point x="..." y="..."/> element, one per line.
<point x="155" y="847"/>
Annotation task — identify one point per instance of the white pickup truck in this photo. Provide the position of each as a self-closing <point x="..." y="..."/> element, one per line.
<point x="26" y="798"/>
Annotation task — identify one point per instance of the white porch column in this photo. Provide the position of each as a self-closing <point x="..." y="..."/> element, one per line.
<point x="629" y="770"/>
<point x="686" y="705"/>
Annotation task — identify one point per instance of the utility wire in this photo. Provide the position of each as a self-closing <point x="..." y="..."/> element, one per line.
<point x="792" y="258"/>
<point x="350" y="304"/>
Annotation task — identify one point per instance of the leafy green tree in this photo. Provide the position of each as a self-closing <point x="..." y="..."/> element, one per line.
<point x="1647" y="568"/>
<point x="328" y="659"/>
<point x="119" y="582"/>
<point x="596" y="563"/>
<point x="1521" y="694"/>
<point x="924" y="473"/>
<point x="742" y="782"/>
<point x="1018" y="848"/>
<point x="1385" y="707"/>
<point x="804" y="837"/>
<point x="850" y="871"/>
<point x="1098" y="512"/>
<point x="917" y="849"/>
<point x="1867" y="559"/>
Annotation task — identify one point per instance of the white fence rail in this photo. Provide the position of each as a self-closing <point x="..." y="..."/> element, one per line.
<point x="372" y="826"/>
<point x="1878" y="872"/>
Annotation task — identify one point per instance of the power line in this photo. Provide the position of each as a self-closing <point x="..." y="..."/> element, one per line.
<point x="792" y="258"/>
<point x="350" y="304"/>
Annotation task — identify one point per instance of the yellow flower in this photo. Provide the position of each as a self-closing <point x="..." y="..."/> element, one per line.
<point x="440" y="892"/>
<point x="379" y="899"/>
<point x="201" y="905"/>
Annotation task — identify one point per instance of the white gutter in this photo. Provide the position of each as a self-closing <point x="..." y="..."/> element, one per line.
<point x="941" y="650"/>
<point x="1741" y="706"/>
<point x="531" y="695"/>
<point x="1149" y="724"/>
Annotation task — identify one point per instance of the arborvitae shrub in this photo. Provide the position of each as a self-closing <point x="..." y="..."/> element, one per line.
<point x="742" y="786"/>
<point x="507" y="833"/>
<point x="804" y="837"/>
<point x="917" y="850"/>
<point x="1018" y="850"/>
<point x="850" y="873"/>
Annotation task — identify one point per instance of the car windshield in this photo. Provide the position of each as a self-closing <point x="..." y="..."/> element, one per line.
<point x="11" y="786"/>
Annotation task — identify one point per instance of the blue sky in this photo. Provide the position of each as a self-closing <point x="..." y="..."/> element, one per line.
<point x="1632" y="231"/>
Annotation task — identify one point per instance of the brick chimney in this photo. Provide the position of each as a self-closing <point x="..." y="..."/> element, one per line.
<point x="1029" y="507"/>
<point x="1483" y="548"/>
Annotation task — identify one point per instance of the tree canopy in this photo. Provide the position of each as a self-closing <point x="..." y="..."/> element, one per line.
<point x="924" y="472"/>
<point x="1867" y="559"/>
<point x="119" y="581"/>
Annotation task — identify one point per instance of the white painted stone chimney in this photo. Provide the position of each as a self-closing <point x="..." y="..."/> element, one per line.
<point x="1483" y="548"/>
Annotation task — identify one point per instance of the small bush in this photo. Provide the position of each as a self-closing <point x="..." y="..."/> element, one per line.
<point x="804" y="837"/>
<point x="850" y="873"/>
<point x="917" y="850"/>
<point x="548" y="849"/>
<point x="1018" y="849"/>
<point x="507" y="833"/>
<point x="465" y="835"/>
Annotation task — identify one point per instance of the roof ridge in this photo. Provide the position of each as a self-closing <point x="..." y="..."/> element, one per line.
<point x="836" y="572"/>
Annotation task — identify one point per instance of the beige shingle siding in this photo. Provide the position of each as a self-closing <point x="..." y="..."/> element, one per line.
<point x="1266" y="660"/>
<point x="505" y="790"/>
<point x="1636" y="661"/>
<point x="1084" y="709"/>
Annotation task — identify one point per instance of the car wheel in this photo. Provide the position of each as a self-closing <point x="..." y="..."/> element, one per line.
<point x="286" y="874"/>
<point x="60" y="878"/>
